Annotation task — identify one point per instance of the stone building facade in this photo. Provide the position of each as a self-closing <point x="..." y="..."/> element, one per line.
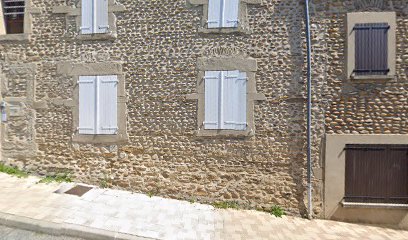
<point x="160" y="51"/>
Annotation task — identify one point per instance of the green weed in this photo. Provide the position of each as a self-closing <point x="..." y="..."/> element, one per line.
<point x="13" y="171"/>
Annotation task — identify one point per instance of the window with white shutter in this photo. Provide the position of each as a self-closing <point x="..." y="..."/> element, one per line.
<point x="231" y="11"/>
<point x="94" y="16"/>
<point x="107" y="105"/>
<point x="225" y="100"/>
<point x="212" y="99"/>
<point x="98" y="105"/>
<point x="87" y="104"/>
<point x="223" y="13"/>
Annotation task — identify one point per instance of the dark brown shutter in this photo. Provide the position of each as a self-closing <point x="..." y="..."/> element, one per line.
<point x="376" y="173"/>
<point x="371" y="49"/>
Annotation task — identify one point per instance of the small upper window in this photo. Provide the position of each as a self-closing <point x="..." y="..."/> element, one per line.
<point x="13" y="13"/>
<point x="94" y="16"/>
<point x="371" y="45"/>
<point x="225" y="100"/>
<point x="223" y="13"/>
<point x="98" y="105"/>
<point x="371" y="53"/>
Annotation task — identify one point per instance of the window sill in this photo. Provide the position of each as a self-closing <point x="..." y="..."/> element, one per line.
<point x="100" y="139"/>
<point x="374" y="205"/>
<point x="96" y="37"/>
<point x="225" y="133"/>
<point x="15" y="37"/>
<point x="238" y="30"/>
<point x="373" y="77"/>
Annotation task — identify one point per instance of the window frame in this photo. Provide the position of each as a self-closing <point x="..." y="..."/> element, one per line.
<point x="14" y="10"/>
<point x="29" y="10"/>
<point x="113" y="9"/>
<point x="243" y="24"/>
<point x="371" y="17"/>
<point x="74" y="71"/>
<point x="230" y="63"/>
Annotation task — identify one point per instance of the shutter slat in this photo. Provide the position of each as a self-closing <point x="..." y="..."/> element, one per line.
<point x="212" y="99"/>
<point x="107" y="105"/>
<point x="214" y="14"/>
<point x="87" y="105"/>
<point x="87" y="17"/>
<point x="102" y="22"/>
<point x="231" y="12"/>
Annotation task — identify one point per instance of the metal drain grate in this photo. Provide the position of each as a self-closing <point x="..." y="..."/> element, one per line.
<point x="78" y="190"/>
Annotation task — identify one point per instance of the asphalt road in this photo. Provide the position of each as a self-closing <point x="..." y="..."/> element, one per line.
<point x="7" y="233"/>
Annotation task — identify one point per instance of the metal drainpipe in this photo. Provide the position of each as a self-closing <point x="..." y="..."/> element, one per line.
<point x="309" y="112"/>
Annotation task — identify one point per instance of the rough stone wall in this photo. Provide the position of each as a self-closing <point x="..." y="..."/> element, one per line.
<point x="158" y="44"/>
<point x="374" y="107"/>
<point x="345" y="107"/>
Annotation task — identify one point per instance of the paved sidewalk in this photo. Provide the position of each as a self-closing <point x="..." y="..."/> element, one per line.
<point x="7" y="233"/>
<point x="123" y="215"/>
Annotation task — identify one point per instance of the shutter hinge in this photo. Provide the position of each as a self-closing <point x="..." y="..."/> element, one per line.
<point x="83" y="128"/>
<point x="211" y="123"/>
<point x="109" y="81"/>
<point x="103" y="27"/>
<point x="85" y="28"/>
<point x="109" y="128"/>
<point x="82" y="81"/>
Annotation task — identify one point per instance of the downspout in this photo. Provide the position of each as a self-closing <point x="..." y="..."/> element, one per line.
<point x="309" y="112"/>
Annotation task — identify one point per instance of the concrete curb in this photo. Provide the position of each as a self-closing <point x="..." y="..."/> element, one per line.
<point x="63" y="229"/>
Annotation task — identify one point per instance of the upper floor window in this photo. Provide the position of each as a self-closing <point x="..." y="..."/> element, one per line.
<point x="371" y="45"/>
<point x="13" y="16"/>
<point x="371" y="53"/>
<point x="94" y="17"/>
<point x="223" y="13"/>
<point x="224" y="16"/>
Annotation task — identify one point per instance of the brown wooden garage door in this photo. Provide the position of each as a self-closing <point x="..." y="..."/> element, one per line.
<point x="376" y="173"/>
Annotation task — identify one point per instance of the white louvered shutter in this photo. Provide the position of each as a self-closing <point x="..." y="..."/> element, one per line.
<point x="87" y="104"/>
<point x="212" y="99"/>
<point x="107" y="105"/>
<point x="102" y="23"/>
<point x="231" y="12"/>
<point x="87" y="17"/>
<point x="234" y="100"/>
<point x="229" y="99"/>
<point x="241" y="113"/>
<point x="214" y="13"/>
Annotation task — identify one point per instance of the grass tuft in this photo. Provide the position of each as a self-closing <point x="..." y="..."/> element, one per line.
<point x="150" y="194"/>
<point x="57" y="178"/>
<point x="226" y="205"/>
<point x="13" y="171"/>
<point x="277" y="211"/>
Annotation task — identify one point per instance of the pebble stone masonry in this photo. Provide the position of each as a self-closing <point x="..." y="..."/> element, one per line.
<point x="157" y="43"/>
